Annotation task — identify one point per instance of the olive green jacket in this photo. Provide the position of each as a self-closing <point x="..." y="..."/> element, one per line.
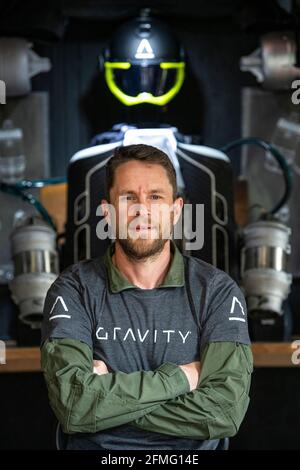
<point x="158" y="401"/>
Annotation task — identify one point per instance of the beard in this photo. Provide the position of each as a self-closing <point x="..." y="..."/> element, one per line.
<point x="140" y="249"/>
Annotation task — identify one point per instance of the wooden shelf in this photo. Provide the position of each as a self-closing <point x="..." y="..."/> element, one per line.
<point x="21" y="360"/>
<point x="275" y="354"/>
<point x="265" y="355"/>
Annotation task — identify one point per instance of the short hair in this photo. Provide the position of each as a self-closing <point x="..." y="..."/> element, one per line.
<point x="142" y="153"/>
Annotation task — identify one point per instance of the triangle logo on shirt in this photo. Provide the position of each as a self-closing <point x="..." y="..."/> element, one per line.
<point x="237" y="309"/>
<point x="59" y="309"/>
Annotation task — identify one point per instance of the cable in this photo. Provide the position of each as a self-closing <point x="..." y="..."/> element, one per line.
<point x="285" y="167"/>
<point x="17" y="189"/>
<point x="40" y="183"/>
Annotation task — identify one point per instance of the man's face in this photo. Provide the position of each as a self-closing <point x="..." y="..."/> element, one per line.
<point x="145" y="211"/>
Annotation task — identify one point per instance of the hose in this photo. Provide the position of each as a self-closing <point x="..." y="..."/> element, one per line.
<point x="17" y="189"/>
<point x="285" y="167"/>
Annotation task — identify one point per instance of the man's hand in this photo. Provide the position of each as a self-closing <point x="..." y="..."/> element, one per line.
<point x="192" y="372"/>
<point x="100" y="368"/>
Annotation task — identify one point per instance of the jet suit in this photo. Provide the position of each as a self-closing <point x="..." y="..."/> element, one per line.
<point x="204" y="180"/>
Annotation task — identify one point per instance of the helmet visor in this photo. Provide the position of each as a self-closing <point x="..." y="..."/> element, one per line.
<point x="150" y="79"/>
<point x="154" y="80"/>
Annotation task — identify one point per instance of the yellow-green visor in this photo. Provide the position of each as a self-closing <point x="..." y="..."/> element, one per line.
<point x="136" y="83"/>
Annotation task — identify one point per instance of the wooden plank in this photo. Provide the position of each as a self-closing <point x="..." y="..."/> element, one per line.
<point x="276" y="354"/>
<point x="241" y="203"/>
<point x="21" y="360"/>
<point x="265" y="355"/>
<point x="54" y="199"/>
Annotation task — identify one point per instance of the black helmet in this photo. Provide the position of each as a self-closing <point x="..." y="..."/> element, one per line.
<point x="144" y="62"/>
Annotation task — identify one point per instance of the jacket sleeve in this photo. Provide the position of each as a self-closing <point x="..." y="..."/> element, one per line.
<point x="86" y="402"/>
<point x="218" y="405"/>
<point x="216" y="408"/>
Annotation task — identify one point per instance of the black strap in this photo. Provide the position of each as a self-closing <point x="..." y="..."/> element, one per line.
<point x="190" y="296"/>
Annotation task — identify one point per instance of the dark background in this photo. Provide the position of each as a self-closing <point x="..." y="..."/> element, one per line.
<point x="215" y="35"/>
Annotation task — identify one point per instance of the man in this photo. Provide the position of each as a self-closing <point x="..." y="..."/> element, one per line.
<point x="124" y="335"/>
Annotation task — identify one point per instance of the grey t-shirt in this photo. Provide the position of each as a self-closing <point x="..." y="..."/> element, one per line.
<point x="139" y="329"/>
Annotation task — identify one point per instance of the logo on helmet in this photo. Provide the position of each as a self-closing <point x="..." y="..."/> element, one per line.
<point x="144" y="50"/>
